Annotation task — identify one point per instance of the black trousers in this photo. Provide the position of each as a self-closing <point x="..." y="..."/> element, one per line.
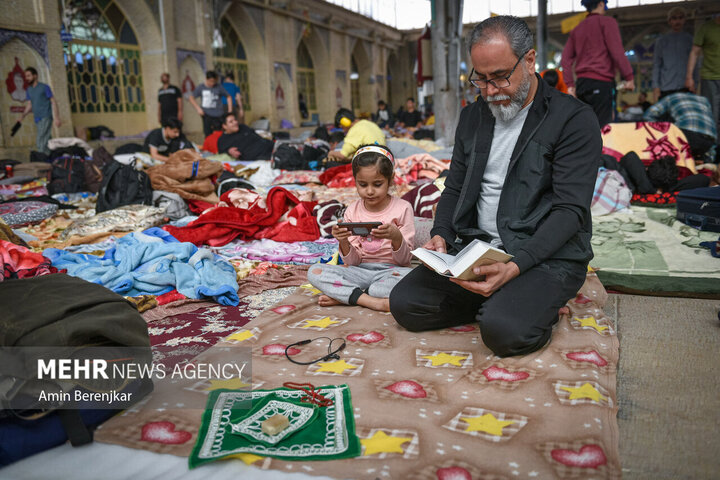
<point x="699" y="143"/>
<point x="515" y="320"/>
<point x="600" y="96"/>
<point x="209" y="122"/>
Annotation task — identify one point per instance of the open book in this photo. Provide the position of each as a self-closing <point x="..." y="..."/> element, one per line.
<point x="460" y="266"/>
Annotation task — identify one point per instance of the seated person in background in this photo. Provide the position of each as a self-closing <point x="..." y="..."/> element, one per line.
<point x="410" y="118"/>
<point x="161" y="142"/>
<point x="335" y="139"/>
<point x="241" y="142"/>
<point x="211" y="141"/>
<point x="690" y="113"/>
<point x="357" y="133"/>
<point x="554" y="78"/>
<point x="383" y="117"/>
<point x="642" y="101"/>
<point x="662" y="175"/>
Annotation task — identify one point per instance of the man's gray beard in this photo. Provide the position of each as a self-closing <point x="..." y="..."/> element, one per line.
<point x="505" y="113"/>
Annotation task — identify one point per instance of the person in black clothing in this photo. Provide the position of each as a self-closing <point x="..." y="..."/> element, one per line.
<point x="241" y="142"/>
<point x="161" y="142"/>
<point x="521" y="178"/>
<point x="169" y="100"/>
<point x="410" y="118"/>
<point x="662" y="175"/>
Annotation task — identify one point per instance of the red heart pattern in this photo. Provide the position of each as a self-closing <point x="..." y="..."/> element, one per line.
<point x="453" y="473"/>
<point x="281" y="309"/>
<point x="582" y="299"/>
<point x="592" y="357"/>
<point x="408" y="388"/>
<point x="164" y="432"/>
<point x="367" y="338"/>
<point x="589" y="456"/>
<point x="279" y="349"/>
<point x="499" y="373"/>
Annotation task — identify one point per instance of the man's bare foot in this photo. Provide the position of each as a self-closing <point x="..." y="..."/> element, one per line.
<point x="374" y="303"/>
<point x="564" y="311"/>
<point x="325" y="301"/>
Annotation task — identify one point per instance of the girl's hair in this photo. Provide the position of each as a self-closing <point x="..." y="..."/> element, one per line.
<point x="372" y="157"/>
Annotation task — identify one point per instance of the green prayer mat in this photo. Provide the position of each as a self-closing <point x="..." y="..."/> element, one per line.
<point x="328" y="435"/>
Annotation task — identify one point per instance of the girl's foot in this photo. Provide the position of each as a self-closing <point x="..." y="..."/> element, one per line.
<point x="325" y="301"/>
<point x="564" y="311"/>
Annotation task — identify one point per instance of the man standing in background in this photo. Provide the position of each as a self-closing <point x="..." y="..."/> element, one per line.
<point x="39" y="98"/>
<point x="707" y="44"/>
<point x="670" y="56"/>
<point x="169" y="100"/>
<point x="595" y="50"/>
<point x="211" y="108"/>
<point x="236" y="94"/>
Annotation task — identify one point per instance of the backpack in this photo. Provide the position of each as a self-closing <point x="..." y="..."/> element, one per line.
<point x="287" y="157"/>
<point x="80" y="319"/>
<point x="67" y="175"/>
<point x="123" y="185"/>
<point x="94" y="168"/>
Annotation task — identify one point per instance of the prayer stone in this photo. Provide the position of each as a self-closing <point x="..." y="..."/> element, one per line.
<point x="275" y="424"/>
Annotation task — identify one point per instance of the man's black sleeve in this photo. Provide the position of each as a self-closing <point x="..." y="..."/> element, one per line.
<point x="574" y="169"/>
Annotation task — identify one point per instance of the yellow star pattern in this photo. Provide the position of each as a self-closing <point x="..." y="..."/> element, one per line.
<point x="230" y="384"/>
<point x="311" y="289"/>
<point x="590" y="322"/>
<point x="486" y="423"/>
<point x="240" y="335"/>
<point x="443" y="358"/>
<point x="322" y="323"/>
<point x="381" y="442"/>
<point x="335" y="367"/>
<point x="247" y="458"/>
<point x="586" y="391"/>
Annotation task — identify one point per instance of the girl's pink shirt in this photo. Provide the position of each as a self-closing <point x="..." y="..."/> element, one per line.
<point x="379" y="250"/>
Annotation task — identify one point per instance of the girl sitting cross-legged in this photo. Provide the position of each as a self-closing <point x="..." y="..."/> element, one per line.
<point x="375" y="263"/>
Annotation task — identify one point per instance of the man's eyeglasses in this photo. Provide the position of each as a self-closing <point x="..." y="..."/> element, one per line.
<point x="500" y="82"/>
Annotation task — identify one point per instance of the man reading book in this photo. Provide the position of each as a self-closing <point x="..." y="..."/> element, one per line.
<point x="521" y="178"/>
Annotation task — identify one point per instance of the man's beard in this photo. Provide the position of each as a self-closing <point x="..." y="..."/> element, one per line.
<point x="505" y="113"/>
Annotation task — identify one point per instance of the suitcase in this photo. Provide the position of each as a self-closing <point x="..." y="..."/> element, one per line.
<point x="700" y="208"/>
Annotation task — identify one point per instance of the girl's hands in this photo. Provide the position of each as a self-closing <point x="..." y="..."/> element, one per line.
<point x="342" y="234"/>
<point x="389" y="231"/>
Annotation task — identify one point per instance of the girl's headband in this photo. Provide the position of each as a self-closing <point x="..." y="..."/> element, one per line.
<point x="376" y="149"/>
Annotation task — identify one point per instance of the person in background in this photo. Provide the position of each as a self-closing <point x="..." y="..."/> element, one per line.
<point x="40" y="100"/>
<point x="410" y="118"/>
<point x="302" y="106"/>
<point x="236" y="94"/>
<point x="241" y="142"/>
<point x="593" y="52"/>
<point x="211" y="107"/>
<point x="690" y="113"/>
<point x="357" y="132"/>
<point x="670" y="56"/>
<point x="643" y="102"/>
<point x="170" y="102"/>
<point x="707" y="43"/>
<point x="168" y="139"/>
<point x="383" y="117"/>
<point x="211" y="141"/>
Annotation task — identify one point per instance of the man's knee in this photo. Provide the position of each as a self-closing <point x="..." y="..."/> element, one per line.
<point x="507" y="339"/>
<point x="401" y="309"/>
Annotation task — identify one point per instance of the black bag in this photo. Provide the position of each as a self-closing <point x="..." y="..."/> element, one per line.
<point x="76" y="314"/>
<point x="94" y="169"/>
<point x="123" y="185"/>
<point x="288" y="157"/>
<point x="228" y="181"/>
<point x="39" y="157"/>
<point x="67" y="175"/>
<point x="72" y="150"/>
<point x="700" y="208"/>
<point x="128" y="148"/>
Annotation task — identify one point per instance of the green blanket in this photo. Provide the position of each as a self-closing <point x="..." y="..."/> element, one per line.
<point x="649" y="251"/>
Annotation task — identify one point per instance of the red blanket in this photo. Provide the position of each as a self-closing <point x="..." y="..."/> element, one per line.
<point x="285" y="219"/>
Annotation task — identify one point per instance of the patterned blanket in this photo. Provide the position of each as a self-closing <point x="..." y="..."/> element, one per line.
<point x="427" y="405"/>
<point x="649" y="251"/>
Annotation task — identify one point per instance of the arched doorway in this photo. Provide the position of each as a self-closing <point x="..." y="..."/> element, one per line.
<point x="354" y="86"/>
<point x="306" y="78"/>
<point x="232" y="58"/>
<point x="102" y="61"/>
<point x="362" y="81"/>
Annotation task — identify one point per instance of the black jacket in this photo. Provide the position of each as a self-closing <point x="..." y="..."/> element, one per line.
<point x="544" y="207"/>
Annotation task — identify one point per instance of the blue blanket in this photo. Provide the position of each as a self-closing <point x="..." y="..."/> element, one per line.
<point x="153" y="263"/>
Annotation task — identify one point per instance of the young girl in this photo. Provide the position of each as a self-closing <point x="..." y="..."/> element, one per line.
<point x="376" y="263"/>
